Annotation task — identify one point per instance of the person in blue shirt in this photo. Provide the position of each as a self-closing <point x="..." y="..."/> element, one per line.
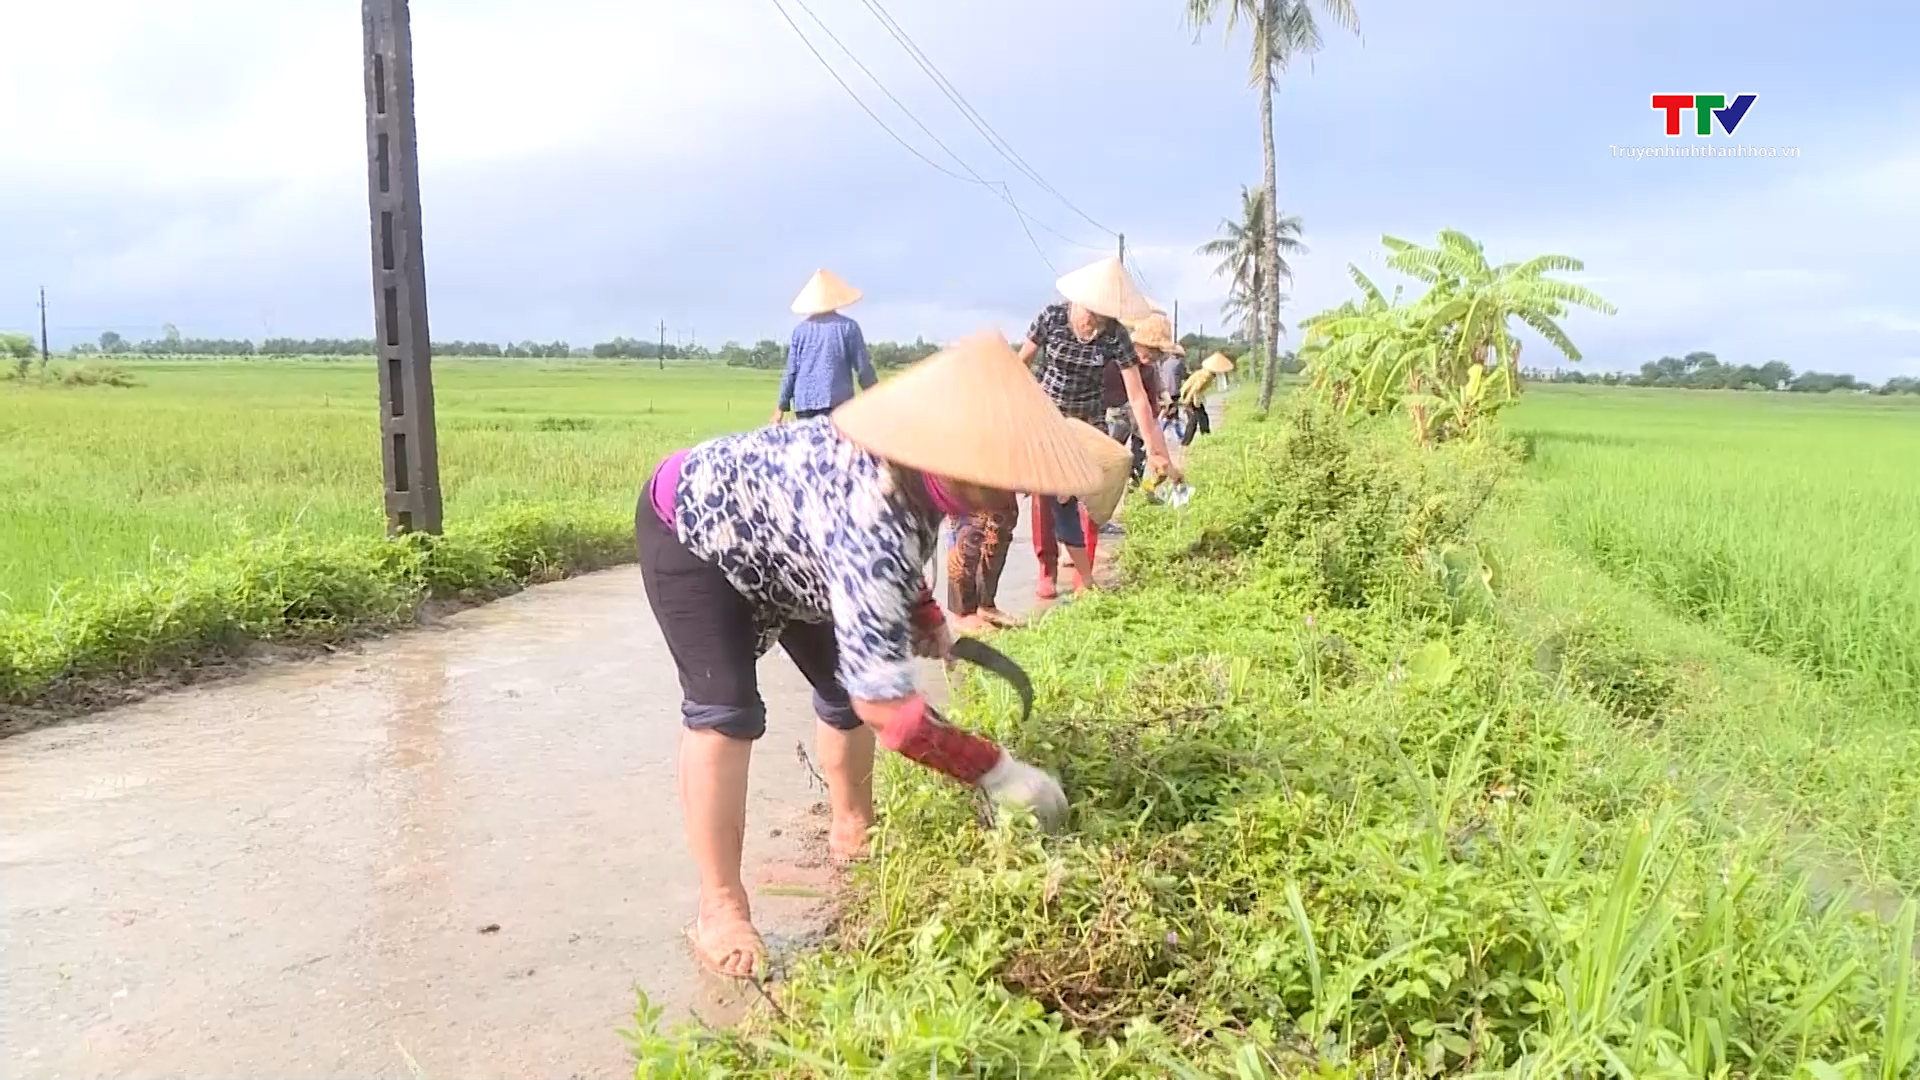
<point x="827" y="353"/>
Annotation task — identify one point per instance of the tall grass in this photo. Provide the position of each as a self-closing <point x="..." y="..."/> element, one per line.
<point x="102" y="482"/>
<point x="1333" y="816"/>
<point x="1791" y="525"/>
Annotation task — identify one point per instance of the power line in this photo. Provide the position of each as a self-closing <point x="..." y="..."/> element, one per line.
<point x="999" y="188"/>
<point x="904" y="144"/>
<point x="1135" y="263"/>
<point x="959" y="101"/>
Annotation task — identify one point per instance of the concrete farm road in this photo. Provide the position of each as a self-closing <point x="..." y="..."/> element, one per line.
<point x="453" y="852"/>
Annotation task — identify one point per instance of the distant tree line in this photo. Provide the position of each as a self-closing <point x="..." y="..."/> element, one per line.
<point x="769" y="354"/>
<point x="763" y="354"/>
<point x="1705" y="371"/>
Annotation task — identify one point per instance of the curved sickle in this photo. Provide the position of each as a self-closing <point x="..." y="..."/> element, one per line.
<point x="982" y="655"/>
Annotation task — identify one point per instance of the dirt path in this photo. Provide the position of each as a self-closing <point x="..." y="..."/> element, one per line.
<point x="453" y="853"/>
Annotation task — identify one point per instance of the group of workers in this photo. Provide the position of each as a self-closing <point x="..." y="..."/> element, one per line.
<point x="814" y="534"/>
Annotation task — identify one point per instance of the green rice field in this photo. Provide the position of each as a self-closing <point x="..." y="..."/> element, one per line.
<point x="100" y="481"/>
<point x="1789" y="523"/>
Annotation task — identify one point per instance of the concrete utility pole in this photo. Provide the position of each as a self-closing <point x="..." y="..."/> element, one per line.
<point x="43" y="328"/>
<point x="1123" y="249"/>
<point x="408" y="447"/>
<point x="663" y="344"/>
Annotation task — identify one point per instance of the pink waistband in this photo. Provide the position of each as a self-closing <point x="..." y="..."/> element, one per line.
<point x="943" y="499"/>
<point x="665" y="482"/>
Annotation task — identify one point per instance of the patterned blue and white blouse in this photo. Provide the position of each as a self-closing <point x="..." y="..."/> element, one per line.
<point x="811" y="528"/>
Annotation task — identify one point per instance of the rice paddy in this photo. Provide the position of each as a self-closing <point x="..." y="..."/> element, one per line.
<point x="100" y="482"/>
<point x="1790" y="524"/>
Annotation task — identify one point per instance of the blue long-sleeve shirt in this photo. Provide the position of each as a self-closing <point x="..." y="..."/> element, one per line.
<point x="825" y="356"/>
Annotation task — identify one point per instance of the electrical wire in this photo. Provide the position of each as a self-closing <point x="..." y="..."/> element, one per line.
<point x="904" y="144"/>
<point x="959" y="101"/>
<point x="998" y="188"/>
<point x="1141" y="274"/>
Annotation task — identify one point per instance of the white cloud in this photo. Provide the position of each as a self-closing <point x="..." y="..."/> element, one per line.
<point x="1795" y="267"/>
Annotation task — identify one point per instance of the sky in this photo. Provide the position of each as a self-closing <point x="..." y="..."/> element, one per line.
<point x="592" y="168"/>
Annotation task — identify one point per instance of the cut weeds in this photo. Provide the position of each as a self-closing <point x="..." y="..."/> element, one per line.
<point x="1332" y="818"/>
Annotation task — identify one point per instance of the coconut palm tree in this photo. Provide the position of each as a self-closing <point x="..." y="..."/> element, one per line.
<point x="1242" y="255"/>
<point x="1283" y="31"/>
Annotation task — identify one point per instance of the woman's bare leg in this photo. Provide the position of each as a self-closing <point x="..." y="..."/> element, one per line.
<point x="1082" y="566"/>
<point x="846" y="761"/>
<point x="713" y="798"/>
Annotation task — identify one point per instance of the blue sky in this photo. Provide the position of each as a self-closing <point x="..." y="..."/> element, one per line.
<point x="592" y="167"/>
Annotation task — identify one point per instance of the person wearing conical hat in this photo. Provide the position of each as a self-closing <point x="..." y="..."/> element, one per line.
<point x="1193" y="396"/>
<point x="1152" y="344"/>
<point x="1074" y="342"/>
<point x="827" y="352"/>
<point x="814" y="535"/>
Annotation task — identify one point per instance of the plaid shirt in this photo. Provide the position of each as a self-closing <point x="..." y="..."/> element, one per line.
<point x="1071" y="370"/>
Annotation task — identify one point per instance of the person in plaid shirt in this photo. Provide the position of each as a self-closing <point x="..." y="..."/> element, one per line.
<point x="1074" y="343"/>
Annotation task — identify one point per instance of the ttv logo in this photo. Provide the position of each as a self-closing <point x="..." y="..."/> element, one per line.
<point x="1706" y="108"/>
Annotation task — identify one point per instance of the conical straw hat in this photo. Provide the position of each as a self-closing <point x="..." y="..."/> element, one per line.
<point x="1105" y="288"/>
<point x="826" y="291"/>
<point x="972" y="412"/>
<point x="1116" y="468"/>
<point x="1155" y="332"/>
<point x="1219" y="363"/>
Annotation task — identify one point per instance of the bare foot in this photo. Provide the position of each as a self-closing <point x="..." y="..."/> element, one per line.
<point x="724" y="940"/>
<point x="1000" y="618"/>
<point x="971" y="624"/>
<point x="847" y="839"/>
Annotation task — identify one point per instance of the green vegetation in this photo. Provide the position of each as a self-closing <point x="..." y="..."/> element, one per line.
<point x="1241" y="249"/>
<point x="1448" y="359"/>
<point x="16" y="352"/>
<point x="221" y="501"/>
<point x="1348" y="802"/>
<point x="1541" y="753"/>
<point x="1760" y="552"/>
<point x="291" y="588"/>
<point x="1789" y="525"/>
<point x="1705" y="371"/>
<point x="101" y="483"/>
<point x="762" y="354"/>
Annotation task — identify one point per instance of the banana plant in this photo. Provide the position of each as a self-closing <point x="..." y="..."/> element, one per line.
<point x="1448" y="358"/>
<point x="1496" y="295"/>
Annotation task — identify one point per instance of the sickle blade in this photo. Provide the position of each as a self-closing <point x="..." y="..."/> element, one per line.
<point x="982" y="655"/>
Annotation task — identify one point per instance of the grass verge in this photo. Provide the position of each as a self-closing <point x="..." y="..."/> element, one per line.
<point x="1334" y="816"/>
<point x="286" y="588"/>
